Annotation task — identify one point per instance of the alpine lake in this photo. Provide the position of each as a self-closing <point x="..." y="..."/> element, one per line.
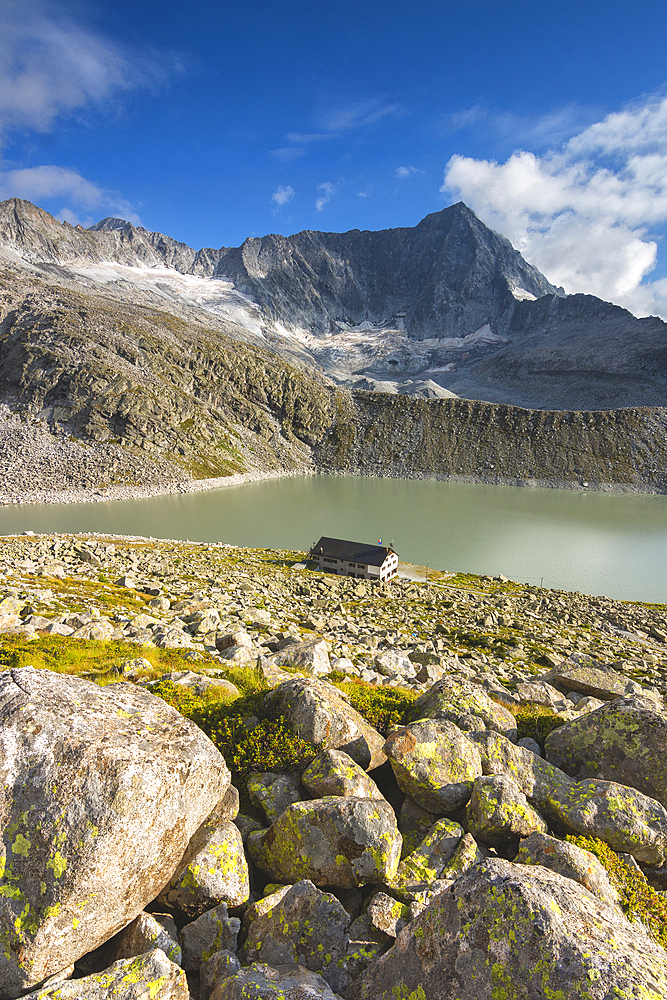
<point x="612" y="544"/>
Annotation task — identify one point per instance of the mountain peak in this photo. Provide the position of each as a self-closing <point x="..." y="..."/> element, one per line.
<point x="110" y="223"/>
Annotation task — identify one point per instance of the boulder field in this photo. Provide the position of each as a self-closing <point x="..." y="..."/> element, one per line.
<point x="431" y="864"/>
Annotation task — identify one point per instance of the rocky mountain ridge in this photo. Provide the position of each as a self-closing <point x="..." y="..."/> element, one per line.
<point x="444" y="308"/>
<point x="121" y="366"/>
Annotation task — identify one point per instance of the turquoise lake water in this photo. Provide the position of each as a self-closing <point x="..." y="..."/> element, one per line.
<point x="597" y="543"/>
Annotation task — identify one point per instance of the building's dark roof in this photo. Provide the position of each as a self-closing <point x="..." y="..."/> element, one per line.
<point x="359" y="552"/>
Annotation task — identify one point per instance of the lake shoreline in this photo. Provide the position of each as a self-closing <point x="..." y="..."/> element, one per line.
<point x="148" y="490"/>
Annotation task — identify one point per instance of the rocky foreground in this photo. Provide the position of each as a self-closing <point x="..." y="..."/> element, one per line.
<point x="429" y="862"/>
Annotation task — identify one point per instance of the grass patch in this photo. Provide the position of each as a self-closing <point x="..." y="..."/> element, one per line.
<point x="536" y="722"/>
<point x="381" y="707"/>
<point x="638" y="899"/>
<point x="93" y="658"/>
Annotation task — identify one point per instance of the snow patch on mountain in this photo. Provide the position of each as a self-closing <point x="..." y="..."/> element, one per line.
<point x="214" y="295"/>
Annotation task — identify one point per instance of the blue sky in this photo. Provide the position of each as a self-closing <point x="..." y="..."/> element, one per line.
<point x="212" y="122"/>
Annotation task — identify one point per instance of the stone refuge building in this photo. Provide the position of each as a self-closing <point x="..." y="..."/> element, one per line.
<point x="368" y="562"/>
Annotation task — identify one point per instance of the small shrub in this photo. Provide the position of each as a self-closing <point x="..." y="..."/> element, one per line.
<point x="536" y="722"/>
<point x="382" y="707"/>
<point x="638" y="899"/>
<point x="269" y="743"/>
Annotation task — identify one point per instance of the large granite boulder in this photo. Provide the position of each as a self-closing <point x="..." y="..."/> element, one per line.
<point x="273" y="793"/>
<point x="537" y="778"/>
<point x="144" y="934"/>
<point x="335" y="841"/>
<point x="426" y="868"/>
<point x="307" y="927"/>
<point x="465" y="704"/>
<point x="622" y="817"/>
<point x="624" y="741"/>
<point x="434" y="763"/>
<point x="311" y="656"/>
<point x="509" y="931"/>
<point x="214" y="931"/>
<point x="151" y="976"/>
<point x="567" y="860"/>
<point x="103" y="789"/>
<point x="581" y="673"/>
<point x="321" y="715"/>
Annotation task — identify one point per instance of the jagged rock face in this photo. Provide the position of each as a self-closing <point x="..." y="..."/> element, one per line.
<point x="447" y="277"/>
<point x="40" y="237"/>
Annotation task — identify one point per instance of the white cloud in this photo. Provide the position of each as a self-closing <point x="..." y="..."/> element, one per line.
<point x="50" y="66"/>
<point x="356" y="114"/>
<point x="287" y="153"/>
<point x="335" y="121"/>
<point x="403" y="172"/>
<point x="282" y="195"/>
<point x="583" y="212"/>
<point x="328" y="190"/>
<point x="510" y="128"/>
<point x="37" y="183"/>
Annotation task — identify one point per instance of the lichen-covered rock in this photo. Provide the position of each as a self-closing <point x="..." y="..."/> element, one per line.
<point x="510" y="931"/>
<point x="307" y="927"/>
<point x="622" y="817"/>
<point x="464" y="703"/>
<point x="335" y="773"/>
<point x="499" y="812"/>
<point x="387" y="914"/>
<point x="273" y="793"/>
<point x="232" y="640"/>
<point x="321" y="715"/>
<point x="434" y="763"/>
<point x="266" y="982"/>
<point x="536" y="778"/>
<point x="624" y="741"/>
<point x="414" y="824"/>
<point x="263" y="905"/>
<point x="214" y="931"/>
<point x="218" y="873"/>
<point x="311" y="656"/>
<point x="103" y="789"/>
<point x="425" y="878"/>
<point x="427" y="861"/>
<point x="151" y="976"/>
<point x="540" y="692"/>
<point x="142" y="935"/>
<point x="465" y="857"/>
<point x="581" y="673"/>
<point x="569" y="861"/>
<point x="393" y="663"/>
<point x="333" y="841"/>
<point x="366" y="944"/>
<point x="215" y="970"/>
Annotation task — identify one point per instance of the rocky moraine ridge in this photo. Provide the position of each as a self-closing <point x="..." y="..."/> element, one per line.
<point x="409" y="840"/>
<point x="130" y="362"/>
